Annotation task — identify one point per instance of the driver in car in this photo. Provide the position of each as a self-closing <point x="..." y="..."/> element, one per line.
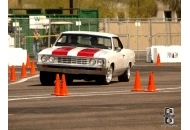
<point x="74" y="40"/>
<point x="94" y="41"/>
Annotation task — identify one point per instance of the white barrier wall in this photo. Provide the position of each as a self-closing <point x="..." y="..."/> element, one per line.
<point x="173" y="54"/>
<point x="168" y="54"/>
<point x="17" y="56"/>
<point x="11" y="41"/>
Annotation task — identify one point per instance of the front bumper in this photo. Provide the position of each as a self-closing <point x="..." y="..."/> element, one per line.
<point x="72" y="69"/>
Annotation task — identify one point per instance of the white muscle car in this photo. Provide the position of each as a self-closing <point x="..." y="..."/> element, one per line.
<point x="87" y="56"/>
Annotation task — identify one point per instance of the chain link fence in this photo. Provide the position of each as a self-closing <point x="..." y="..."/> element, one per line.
<point x="136" y="34"/>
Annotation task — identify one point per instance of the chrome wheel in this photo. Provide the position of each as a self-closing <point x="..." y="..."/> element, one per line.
<point x="106" y="79"/>
<point x="128" y="72"/>
<point x="125" y="77"/>
<point x="109" y="75"/>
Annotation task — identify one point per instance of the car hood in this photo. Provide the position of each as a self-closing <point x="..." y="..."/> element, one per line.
<point x="75" y="51"/>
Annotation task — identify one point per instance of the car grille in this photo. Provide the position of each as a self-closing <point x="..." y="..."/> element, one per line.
<point x="71" y="60"/>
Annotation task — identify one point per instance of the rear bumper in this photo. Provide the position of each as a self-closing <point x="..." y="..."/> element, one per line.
<point x="72" y="70"/>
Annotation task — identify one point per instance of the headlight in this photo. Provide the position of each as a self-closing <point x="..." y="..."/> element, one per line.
<point x="92" y="62"/>
<point x="44" y="58"/>
<point x="51" y="59"/>
<point x="100" y="62"/>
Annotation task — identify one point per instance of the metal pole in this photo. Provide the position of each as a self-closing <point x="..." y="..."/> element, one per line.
<point x="89" y="25"/>
<point x="71" y="6"/>
<point x="25" y="42"/>
<point x="137" y="39"/>
<point x="170" y="32"/>
<point x="108" y="25"/>
<point x="127" y="35"/>
<point x="150" y="37"/>
<point x="155" y="39"/>
<point x="166" y="23"/>
<point x="104" y="25"/>
<point x="119" y="27"/>
<point x="79" y="24"/>
<point x="49" y="32"/>
<point x="15" y="33"/>
<point x="18" y="36"/>
<point x="137" y="42"/>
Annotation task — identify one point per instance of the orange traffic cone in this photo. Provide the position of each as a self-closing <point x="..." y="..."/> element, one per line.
<point x="137" y="85"/>
<point x="57" y="85"/>
<point x="23" y="71"/>
<point x="28" y="64"/>
<point x="151" y="84"/>
<point x="9" y="70"/>
<point x="63" y="88"/>
<point x="32" y="69"/>
<point x="13" y="74"/>
<point x="158" y="63"/>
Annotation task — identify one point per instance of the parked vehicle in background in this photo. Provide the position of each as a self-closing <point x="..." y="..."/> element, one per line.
<point x="74" y="55"/>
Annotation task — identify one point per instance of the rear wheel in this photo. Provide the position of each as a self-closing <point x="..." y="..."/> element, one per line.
<point x="125" y="77"/>
<point x="47" y="78"/>
<point x="106" y="79"/>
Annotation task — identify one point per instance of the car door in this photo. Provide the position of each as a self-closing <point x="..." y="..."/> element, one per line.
<point x="119" y="55"/>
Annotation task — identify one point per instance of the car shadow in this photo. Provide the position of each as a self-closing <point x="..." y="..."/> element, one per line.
<point x="77" y="83"/>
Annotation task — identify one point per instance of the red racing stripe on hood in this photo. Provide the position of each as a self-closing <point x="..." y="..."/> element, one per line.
<point x="62" y="50"/>
<point x="87" y="52"/>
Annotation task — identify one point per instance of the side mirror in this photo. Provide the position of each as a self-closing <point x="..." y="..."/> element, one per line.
<point x="118" y="49"/>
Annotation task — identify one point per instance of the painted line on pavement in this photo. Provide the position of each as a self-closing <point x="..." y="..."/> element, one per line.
<point x="89" y="94"/>
<point x="28" y="96"/>
<point x="25" y="79"/>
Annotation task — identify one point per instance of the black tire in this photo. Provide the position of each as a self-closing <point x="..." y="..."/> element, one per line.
<point x="125" y="77"/>
<point x="47" y="78"/>
<point x="69" y="80"/>
<point x="105" y="79"/>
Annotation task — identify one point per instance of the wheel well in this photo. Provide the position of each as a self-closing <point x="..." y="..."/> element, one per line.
<point x="130" y="64"/>
<point x="112" y="64"/>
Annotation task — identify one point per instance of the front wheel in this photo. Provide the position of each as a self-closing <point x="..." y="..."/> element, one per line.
<point x="47" y="78"/>
<point x="106" y="79"/>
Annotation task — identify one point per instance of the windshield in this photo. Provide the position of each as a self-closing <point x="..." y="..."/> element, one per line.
<point x="81" y="40"/>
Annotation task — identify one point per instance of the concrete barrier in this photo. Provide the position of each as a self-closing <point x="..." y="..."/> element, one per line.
<point x="11" y="42"/>
<point x="16" y="56"/>
<point x="168" y="54"/>
<point x="152" y="53"/>
<point x="173" y="53"/>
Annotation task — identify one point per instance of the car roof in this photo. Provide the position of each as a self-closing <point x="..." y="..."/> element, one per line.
<point x="91" y="33"/>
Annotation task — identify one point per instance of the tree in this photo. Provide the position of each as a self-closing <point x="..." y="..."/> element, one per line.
<point x="107" y="8"/>
<point x="142" y="8"/>
<point x="82" y="3"/>
<point x="174" y="5"/>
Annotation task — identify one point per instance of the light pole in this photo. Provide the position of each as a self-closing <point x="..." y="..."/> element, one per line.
<point x="71" y="6"/>
<point x="138" y="24"/>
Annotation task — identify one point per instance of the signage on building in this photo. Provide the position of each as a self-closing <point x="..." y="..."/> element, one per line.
<point x="38" y="22"/>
